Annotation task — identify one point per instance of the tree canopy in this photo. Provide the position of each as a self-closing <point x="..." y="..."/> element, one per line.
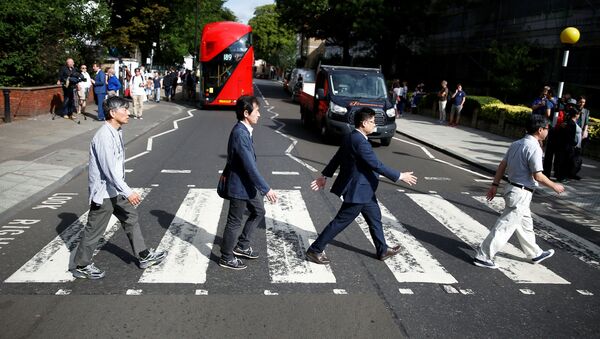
<point x="37" y="36"/>
<point x="272" y="41"/>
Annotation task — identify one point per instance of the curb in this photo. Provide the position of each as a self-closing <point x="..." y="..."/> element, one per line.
<point x="74" y="172"/>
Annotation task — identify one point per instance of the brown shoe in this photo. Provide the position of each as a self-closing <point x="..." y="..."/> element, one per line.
<point x="391" y="251"/>
<point x="317" y="258"/>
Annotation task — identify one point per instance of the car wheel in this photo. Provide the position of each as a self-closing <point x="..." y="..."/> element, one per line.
<point x="386" y="141"/>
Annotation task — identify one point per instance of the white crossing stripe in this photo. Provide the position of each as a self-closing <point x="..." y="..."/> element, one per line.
<point x="52" y="263"/>
<point x="189" y="240"/>
<point x="414" y="263"/>
<point x="173" y="171"/>
<point x="62" y="291"/>
<point x="290" y="231"/>
<point x="133" y="292"/>
<point x="405" y="291"/>
<point x="473" y="233"/>
<point x="201" y="292"/>
<point x="339" y="291"/>
<point x="284" y="173"/>
<point x="585" y="292"/>
<point x="527" y="291"/>
<point x="437" y="178"/>
<point x="268" y="292"/>
<point x="450" y="289"/>
<point x="581" y="248"/>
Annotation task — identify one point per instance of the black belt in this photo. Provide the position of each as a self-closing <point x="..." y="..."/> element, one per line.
<point x="522" y="186"/>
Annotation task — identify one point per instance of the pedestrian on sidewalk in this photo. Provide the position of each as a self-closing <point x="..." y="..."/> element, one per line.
<point x="245" y="187"/>
<point x="568" y="146"/>
<point x="458" y="100"/>
<point x="113" y="84"/>
<point x="158" y="81"/>
<point x="69" y="77"/>
<point x="522" y="164"/>
<point x="83" y="88"/>
<point x="442" y="100"/>
<point x="109" y="195"/>
<point x="583" y="121"/>
<point x="138" y="93"/>
<point x="99" y="89"/>
<point x="356" y="183"/>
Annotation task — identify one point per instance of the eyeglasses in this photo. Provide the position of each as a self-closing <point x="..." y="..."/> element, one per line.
<point x="371" y="121"/>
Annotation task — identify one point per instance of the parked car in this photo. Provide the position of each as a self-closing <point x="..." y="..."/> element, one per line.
<point x="295" y="86"/>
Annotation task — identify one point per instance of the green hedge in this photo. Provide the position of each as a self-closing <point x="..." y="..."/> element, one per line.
<point x="594" y="129"/>
<point x="489" y="109"/>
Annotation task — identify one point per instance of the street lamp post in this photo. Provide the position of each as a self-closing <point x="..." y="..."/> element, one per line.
<point x="569" y="36"/>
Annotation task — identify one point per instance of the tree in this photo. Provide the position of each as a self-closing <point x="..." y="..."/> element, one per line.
<point x="171" y="24"/>
<point x="36" y="37"/>
<point x="510" y="66"/>
<point x="272" y="41"/>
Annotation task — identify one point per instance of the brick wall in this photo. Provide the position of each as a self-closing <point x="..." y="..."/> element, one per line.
<point x="27" y="102"/>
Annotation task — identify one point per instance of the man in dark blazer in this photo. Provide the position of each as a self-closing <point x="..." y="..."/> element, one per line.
<point x="356" y="184"/>
<point x="100" y="89"/>
<point x="244" y="186"/>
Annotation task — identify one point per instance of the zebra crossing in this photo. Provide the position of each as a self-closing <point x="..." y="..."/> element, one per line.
<point x="289" y="232"/>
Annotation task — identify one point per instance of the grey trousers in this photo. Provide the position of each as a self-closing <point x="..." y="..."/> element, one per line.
<point x="231" y="235"/>
<point x="98" y="218"/>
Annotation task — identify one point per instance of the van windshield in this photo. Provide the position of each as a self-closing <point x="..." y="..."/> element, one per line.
<point x="307" y="76"/>
<point x="358" y="85"/>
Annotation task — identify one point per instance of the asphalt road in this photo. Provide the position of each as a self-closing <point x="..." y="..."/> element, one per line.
<point x="431" y="290"/>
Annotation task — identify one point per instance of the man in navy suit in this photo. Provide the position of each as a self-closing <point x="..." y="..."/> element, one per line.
<point x="244" y="186"/>
<point x="100" y="89"/>
<point x="356" y="184"/>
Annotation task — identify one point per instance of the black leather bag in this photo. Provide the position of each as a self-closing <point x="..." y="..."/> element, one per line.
<point x="222" y="184"/>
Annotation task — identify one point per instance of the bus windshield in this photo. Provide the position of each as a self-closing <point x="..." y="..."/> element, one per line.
<point x="217" y="71"/>
<point x="358" y="85"/>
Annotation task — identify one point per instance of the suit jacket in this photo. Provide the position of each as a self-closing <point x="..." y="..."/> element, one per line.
<point x="359" y="169"/>
<point x="244" y="179"/>
<point x="100" y="85"/>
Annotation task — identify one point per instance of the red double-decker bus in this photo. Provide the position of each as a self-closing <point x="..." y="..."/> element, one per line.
<point x="226" y="57"/>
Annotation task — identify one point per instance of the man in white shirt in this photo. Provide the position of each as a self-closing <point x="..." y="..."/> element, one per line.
<point x="83" y="88"/>
<point x="110" y="195"/>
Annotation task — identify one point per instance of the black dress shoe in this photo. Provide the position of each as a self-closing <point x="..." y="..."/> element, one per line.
<point x="317" y="258"/>
<point x="391" y="251"/>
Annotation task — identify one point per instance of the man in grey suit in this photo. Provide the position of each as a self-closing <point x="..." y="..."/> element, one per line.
<point x="356" y="183"/>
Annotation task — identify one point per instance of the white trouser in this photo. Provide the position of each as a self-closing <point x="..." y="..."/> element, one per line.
<point x="442" y="107"/>
<point x="138" y="104"/>
<point x="515" y="217"/>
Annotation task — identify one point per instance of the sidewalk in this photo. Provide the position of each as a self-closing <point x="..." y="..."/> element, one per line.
<point x="486" y="150"/>
<point x="39" y="155"/>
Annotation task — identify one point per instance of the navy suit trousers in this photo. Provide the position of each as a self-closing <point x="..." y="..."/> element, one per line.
<point x="345" y="216"/>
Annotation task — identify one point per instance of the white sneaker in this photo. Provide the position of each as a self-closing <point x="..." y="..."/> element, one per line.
<point x="153" y="258"/>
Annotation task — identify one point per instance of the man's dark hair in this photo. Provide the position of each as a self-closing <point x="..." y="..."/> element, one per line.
<point x="363" y="114"/>
<point x="245" y="103"/>
<point x="113" y="103"/>
<point x="536" y="122"/>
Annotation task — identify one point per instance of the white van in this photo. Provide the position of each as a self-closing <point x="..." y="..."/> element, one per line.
<point x="308" y="81"/>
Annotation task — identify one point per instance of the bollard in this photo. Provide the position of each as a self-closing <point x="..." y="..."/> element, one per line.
<point x="7" y="117"/>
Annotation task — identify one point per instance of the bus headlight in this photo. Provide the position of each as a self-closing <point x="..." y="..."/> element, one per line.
<point x="337" y="109"/>
<point x="391" y="112"/>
